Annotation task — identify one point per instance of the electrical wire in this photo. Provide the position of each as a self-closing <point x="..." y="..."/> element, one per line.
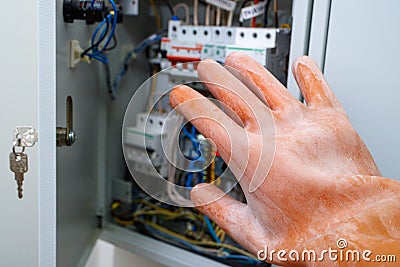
<point x="244" y="259"/>
<point x="212" y="171"/>
<point x="212" y="13"/>
<point x="115" y="44"/>
<point x="106" y="35"/>
<point x="112" y="17"/>
<point x="111" y="91"/>
<point x="211" y="229"/>
<point x="169" y="238"/>
<point x="171" y="10"/>
<point x="196" y="242"/>
<point x="131" y="55"/>
<point x="220" y="233"/>
<point x="266" y="13"/>
<point x="254" y="20"/>
<point x="152" y="89"/>
<point x="156" y="14"/>
<point x="207" y="15"/>
<point x="101" y="39"/>
<point x="276" y="13"/>
<point x="187" y="11"/>
<point x="172" y="193"/>
<point x="196" y="12"/>
<point x="218" y="17"/>
<point x="230" y="19"/>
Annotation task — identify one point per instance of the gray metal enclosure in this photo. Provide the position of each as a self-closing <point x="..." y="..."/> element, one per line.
<point x="84" y="168"/>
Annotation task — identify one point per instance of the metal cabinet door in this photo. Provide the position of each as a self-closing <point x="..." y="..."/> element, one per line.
<point x="19" y="106"/>
<point x="362" y="66"/>
<point x="81" y="165"/>
<point x="66" y="221"/>
<point x="357" y="48"/>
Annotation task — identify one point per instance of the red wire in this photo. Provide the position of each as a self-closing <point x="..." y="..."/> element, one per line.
<point x="253" y="20"/>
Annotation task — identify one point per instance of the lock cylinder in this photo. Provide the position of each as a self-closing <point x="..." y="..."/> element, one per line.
<point x="89" y="10"/>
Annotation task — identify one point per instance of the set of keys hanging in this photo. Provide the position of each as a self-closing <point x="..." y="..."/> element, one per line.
<point x="27" y="136"/>
<point x="23" y="137"/>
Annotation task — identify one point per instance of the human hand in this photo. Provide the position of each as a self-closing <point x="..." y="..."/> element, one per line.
<point x="308" y="178"/>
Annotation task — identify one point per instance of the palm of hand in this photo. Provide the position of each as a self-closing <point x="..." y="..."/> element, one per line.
<point x="321" y="185"/>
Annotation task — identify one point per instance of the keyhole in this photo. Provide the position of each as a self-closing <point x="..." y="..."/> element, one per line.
<point x="18" y="158"/>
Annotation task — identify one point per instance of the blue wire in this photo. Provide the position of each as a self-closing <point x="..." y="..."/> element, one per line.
<point x="114" y="25"/>
<point x="193" y="139"/>
<point x="193" y="131"/>
<point x="189" y="176"/>
<point x="211" y="229"/>
<point x="183" y="242"/>
<point x="244" y="258"/>
<point x="129" y="56"/>
<point x="110" y="36"/>
<point x="97" y="30"/>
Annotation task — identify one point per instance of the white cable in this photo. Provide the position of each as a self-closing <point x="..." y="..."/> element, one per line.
<point x="207" y="16"/>
<point x="173" y="194"/>
<point x="196" y="12"/>
<point x="187" y="11"/>
<point x="218" y="17"/>
<point x="230" y="18"/>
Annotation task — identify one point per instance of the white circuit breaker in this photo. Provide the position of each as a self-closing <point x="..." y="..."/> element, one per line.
<point x="193" y="43"/>
<point x="144" y="142"/>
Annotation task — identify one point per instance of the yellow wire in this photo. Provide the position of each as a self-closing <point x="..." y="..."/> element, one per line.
<point x="221" y="235"/>
<point x="144" y="202"/>
<point x="212" y="171"/>
<point x="156" y="14"/>
<point x="195" y="242"/>
<point x="167" y="212"/>
<point x="171" y="215"/>
<point x="122" y="222"/>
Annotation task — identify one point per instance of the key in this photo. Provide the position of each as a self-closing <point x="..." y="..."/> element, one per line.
<point x="19" y="166"/>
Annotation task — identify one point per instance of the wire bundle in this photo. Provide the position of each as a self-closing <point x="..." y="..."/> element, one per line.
<point x="131" y="55"/>
<point x="97" y="40"/>
<point x="202" y="235"/>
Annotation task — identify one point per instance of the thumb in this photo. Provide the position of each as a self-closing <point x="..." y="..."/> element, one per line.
<point x="234" y="217"/>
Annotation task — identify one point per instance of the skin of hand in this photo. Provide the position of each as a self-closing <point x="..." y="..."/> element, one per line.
<point x="322" y="184"/>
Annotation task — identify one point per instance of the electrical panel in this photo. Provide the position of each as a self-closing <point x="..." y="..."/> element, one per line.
<point x="193" y="43"/>
<point x="168" y="56"/>
<point x="268" y="46"/>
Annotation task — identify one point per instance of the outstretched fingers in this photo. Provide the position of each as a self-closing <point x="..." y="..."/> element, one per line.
<point x="233" y="93"/>
<point x="234" y="217"/>
<point x="260" y="81"/>
<point x="210" y="120"/>
<point x="313" y="85"/>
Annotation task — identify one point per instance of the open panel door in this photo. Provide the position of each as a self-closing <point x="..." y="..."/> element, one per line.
<point x="78" y="165"/>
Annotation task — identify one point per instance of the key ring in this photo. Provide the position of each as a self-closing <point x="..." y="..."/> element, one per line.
<point x="15" y="153"/>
